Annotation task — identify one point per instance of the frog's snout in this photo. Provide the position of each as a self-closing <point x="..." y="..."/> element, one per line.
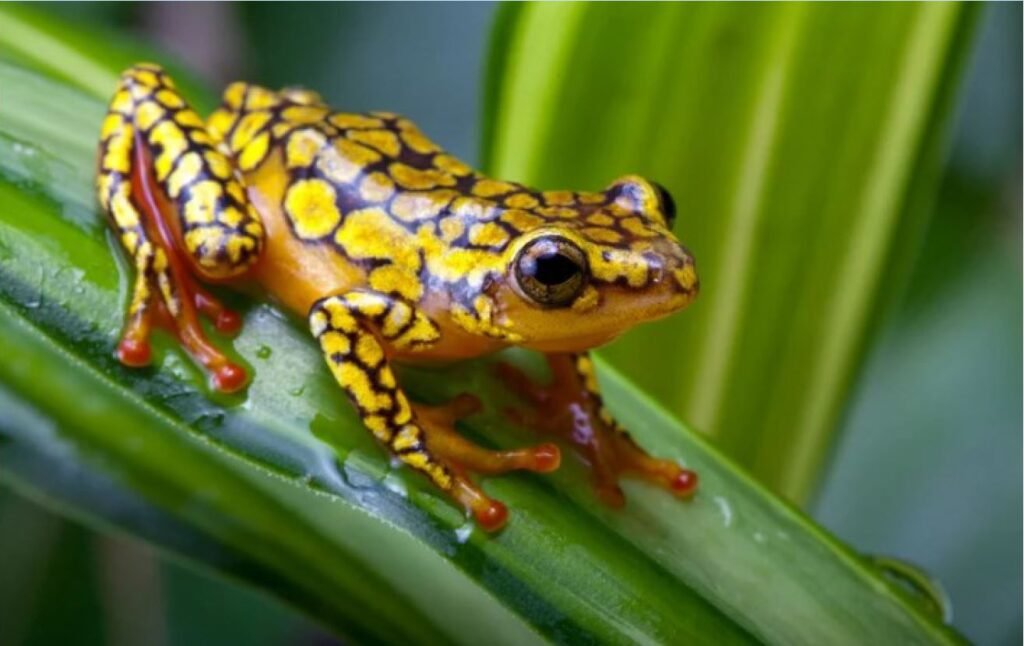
<point x="672" y="269"/>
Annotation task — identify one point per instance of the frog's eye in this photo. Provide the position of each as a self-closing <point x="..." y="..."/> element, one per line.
<point x="551" y="271"/>
<point x="667" y="204"/>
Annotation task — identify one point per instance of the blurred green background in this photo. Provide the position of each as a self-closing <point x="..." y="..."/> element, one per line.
<point x="928" y="467"/>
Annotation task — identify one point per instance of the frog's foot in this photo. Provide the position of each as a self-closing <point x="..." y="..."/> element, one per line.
<point x="462" y="457"/>
<point x="571" y="408"/>
<point x="134" y="347"/>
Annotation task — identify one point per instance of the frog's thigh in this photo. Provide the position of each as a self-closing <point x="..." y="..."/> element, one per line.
<point x="160" y="176"/>
<point x="351" y="329"/>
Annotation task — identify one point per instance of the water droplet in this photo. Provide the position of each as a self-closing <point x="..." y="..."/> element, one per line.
<point x="264" y="352"/>
<point x="463" y="533"/>
<point x="925" y="589"/>
<point x="759" y="537"/>
<point x="297" y="392"/>
<point x="723" y="506"/>
<point x="395" y="483"/>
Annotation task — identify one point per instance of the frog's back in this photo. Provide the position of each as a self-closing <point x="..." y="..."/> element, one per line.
<point x="345" y="192"/>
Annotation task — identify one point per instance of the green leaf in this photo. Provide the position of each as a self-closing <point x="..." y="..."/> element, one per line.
<point x="800" y="141"/>
<point x="282" y="487"/>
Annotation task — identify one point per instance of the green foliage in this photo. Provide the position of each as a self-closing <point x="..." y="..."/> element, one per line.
<point x="800" y="142"/>
<point x="282" y="486"/>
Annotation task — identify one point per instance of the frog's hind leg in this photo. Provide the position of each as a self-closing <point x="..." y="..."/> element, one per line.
<point x="352" y="330"/>
<point x="571" y="407"/>
<point x="180" y="212"/>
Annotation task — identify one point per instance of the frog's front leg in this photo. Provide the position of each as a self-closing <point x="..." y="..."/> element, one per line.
<point x="353" y="330"/>
<point x="572" y="408"/>
<point x="180" y="211"/>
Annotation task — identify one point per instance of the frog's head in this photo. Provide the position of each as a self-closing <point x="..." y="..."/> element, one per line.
<point x="592" y="270"/>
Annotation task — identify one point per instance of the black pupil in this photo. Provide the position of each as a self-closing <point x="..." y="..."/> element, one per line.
<point x="554" y="269"/>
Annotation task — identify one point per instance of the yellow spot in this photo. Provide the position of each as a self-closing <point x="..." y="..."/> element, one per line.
<point x="411" y="207"/>
<point x="236" y="245"/>
<point x="335" y="343"/>
<point x="345" y="160"/>
<point x="304" y="114"/>
<point x="370" y="233"/>
<point x="474" y="208"/>
<point x="521" y="201"/>
<point x="407" y="438"/>
<point x="220" y="123"/>
<point x="367" y="304"/>
<point x="218" y="164"/>
<point x="451" y="228"/>
<point x="204" y="243"/>
<point x="422" y="333"/>
<point x="369" y="351"/>
<point x="170" y="99"/>
<point x="130" y="239"/>
<point x="200" y="137"/>
<point x="260" y="98"/>
<point x="416" y="460"/>
<point x="303" y="146"/>
<point x="488" y="234"/>
<point x="394" y="279"/>
<point x="310" y="206"/>
<point x="346" y="121"/>
<point x="378" y="426"/>
<point x="169" y="136"/>
<point x="233" y="95"/>
<point x="359" y="386"/>
<point x="185" y="173"/>
<point x="376" y="187"/>
<point x="255" y="152"/>
<point x="201" y="207"/>
<point x="490" y="188"/>
<point x="440" y="476"/>
<point x="145" y="77"/>
<point x="610" y="264"/>
<point x="122" y="102"/>
<point x="404" y="413"/>
<point x="521" y="220"/>
<point x="111" y="124"/>
<point x="125" y="215"/>
<point x="383" y="140"/>
<point x="341" y="317"/>
<point x="247" y="128"/>
<point x="591" y="198"/>
<point x="397" y="318"/>
<point x="231" y="217"/>
<point x="600" y="219"/>
<point x="449" y="164"/>
<point x="686" y="276"/>
<point x="190" y="119"/>
<point x="417" y="141"/>
<point x="558" y="212"/>
<point x="318" y="322"/>
<point x="588" y="300"/>
<point x="118" y="148"/>
<point x="282" y="128"/>
<point x="417" y="179"/>
<point x="147" y="114"/>
<point x="637" y="228"/>
<point x="558" y="198"/>
<point x="600" y="234"/>
<point x="236" y="192"/>
<point x="301" y="96"/>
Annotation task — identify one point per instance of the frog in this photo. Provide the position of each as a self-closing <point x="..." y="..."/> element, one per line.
<point x="394" y="252"/>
